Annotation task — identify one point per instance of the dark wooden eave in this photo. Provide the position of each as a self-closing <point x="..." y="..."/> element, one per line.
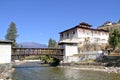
<point x="78" y="26"/>
<point x="6" y="41"/>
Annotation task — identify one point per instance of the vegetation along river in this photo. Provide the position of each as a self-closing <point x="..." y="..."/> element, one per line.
<point x="35" y="71"/>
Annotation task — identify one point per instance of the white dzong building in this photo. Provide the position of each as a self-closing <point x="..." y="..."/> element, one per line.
<point x="70" y="38"/>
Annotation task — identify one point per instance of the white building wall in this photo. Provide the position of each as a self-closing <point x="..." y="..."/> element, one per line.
<point x="5" y="53"/>
<point x="69" y="50"/>
<point x="95" y="35"/>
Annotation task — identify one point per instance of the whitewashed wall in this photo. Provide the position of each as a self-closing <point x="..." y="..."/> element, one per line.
<point x="79" y="35"/>
<point x="5" y="53"/>
<point x="69" y="50"/>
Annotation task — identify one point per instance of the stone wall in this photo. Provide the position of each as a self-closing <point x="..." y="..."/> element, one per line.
<point x="5" y="71"/>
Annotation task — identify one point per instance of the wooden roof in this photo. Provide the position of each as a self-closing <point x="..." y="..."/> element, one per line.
<point x="86" y="24"/>
<point x="5" y="41"/>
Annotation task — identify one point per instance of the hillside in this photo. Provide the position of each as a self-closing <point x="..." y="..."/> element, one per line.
<point x="110" y="26"/>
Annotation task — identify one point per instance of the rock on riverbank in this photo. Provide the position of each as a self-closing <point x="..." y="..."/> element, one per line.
<point x="93" y="68"/>
<point x="105" y="69"/>
<point x="5" y="71"/>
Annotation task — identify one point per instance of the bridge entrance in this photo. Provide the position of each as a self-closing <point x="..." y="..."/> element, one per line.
<point x="19" y="53"/>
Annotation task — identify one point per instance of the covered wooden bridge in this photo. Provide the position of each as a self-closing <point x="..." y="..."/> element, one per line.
<point x="18" y="53"/>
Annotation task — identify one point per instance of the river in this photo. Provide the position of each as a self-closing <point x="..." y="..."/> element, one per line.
<point x="35" y="71"/>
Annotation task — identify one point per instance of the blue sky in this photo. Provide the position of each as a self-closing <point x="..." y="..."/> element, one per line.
<point x="38" y="20"/>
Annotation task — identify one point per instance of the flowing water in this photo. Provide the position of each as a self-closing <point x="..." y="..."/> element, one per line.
<point x="37" y="72"/>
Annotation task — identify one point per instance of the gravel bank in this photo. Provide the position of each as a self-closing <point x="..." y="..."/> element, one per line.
<point x="96" y="68"/>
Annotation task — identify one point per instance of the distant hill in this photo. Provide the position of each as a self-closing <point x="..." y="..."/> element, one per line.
<point x="110" y="26"/>
<point x="31" y="45"/>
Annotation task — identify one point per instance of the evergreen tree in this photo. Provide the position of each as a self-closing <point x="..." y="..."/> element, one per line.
<point x="114" y="38"/>
<point x="52" y="43"/>
<point x="12" y="34"/>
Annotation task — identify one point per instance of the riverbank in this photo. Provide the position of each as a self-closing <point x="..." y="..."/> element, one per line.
<point x="5" y="71"/>
<point x="95" y="68"/>
<point x="28" y="63"/>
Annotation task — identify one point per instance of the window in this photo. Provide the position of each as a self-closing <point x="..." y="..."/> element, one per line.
<point x="67" y="35"/>
<point x="99" y="33"/>
<point x="73" y="32"/>
<point x="83" y="31"/>
<point x="103" y="33"/>
<point x="61" y="35"/>
<point x="106" y="33"/>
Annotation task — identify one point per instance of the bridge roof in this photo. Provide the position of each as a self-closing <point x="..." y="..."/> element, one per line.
<point x="39" y="48"/>
<point x="5" y="41"/>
